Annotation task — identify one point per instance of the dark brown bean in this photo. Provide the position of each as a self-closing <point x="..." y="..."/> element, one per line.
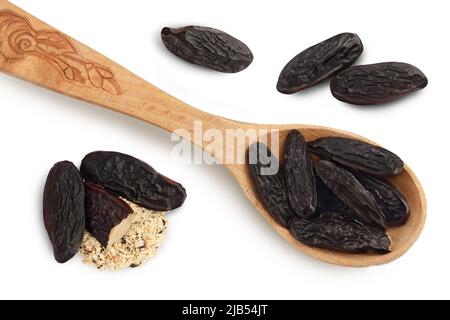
<point x="299" y="175"/>
<point x="107" y="217"/>
<point x="320" y="62"/>
<point x="132" y="179"/>
<point x="347" y="188"/>
<point x="357" y="155"/>
<point x="340" y="232"/>
<point x="64" y="215"/>
<point x="327" y="201"/>
<point x="391" y="201"/>
<point x="269" y="183"/>
<point x="208" y="47"/>
<point x="377" y="83"/>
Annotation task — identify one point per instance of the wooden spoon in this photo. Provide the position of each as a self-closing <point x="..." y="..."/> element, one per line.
<point x="33" y="51"/>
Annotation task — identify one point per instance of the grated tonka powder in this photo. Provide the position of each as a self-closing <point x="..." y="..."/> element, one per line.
<point x="139" y="244"/>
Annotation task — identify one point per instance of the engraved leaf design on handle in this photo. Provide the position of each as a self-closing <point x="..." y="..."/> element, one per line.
<point x="18" y="39"/>
<point x="54" y="43"/>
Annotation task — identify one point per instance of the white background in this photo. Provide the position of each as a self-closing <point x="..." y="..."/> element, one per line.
<point x="217" y="245"/>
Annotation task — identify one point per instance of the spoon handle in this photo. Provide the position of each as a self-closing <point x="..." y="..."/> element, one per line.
<point x="33" y="51"/>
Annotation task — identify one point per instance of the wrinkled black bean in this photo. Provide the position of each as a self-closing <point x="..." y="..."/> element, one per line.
<point x="208" y="47"/>
<point x="357" y="155"/>
<point x="104" y="212"/>
<point x="299" y="175"/>
<point x="64" y="215"/>
<point x="132" y="179"/>
<point x="391" y="201"/>
<point x="340" y="232"/>
<point x="269" y="183"/>
<point x="327" y="201"/>
<point x="320" y="62"/>
<point x="377" y="83"/>
<point x="345" y="185"/>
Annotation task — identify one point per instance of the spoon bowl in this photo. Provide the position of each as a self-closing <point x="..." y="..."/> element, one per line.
<point x="407" y="183"/>
<point x="33" y="51"/>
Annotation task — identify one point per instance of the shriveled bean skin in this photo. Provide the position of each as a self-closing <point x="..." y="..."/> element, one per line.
<point x="64" y="214"/>
<point x="347" y="188"/>
<point x="391" y="201"/>
<point x="104" y="211"/>
<point x="320" y="62"/>
<point x="340" y="232"/>
<point x="357" y="155"/>
<point x="377" y="83"/>
<point x="327" y="201"/>
<point x="299" y="175"/>
<point x="132" y="179"/>
<point x="270" y="187"/>
<point x="208" y="47"/>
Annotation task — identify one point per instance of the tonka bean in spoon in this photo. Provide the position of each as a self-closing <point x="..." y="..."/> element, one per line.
<point x="352" y="193"/>
<point x="357" y="155"/>
<point x="299" y="175"/>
